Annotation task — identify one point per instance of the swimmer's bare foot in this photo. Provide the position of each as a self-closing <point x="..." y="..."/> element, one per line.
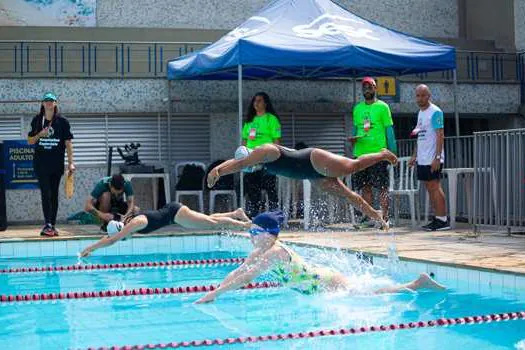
<point x="426" y="282"/>
<point x="389" y="156"/>
<point x="241" y="215"/>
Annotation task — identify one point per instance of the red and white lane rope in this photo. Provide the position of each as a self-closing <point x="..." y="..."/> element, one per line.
<point x="123" y="265"/>
<point x="123" y="292"/>
<point x="441" y="322"/>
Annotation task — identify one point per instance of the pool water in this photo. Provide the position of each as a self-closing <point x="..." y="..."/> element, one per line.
<point x="174" y="318"/>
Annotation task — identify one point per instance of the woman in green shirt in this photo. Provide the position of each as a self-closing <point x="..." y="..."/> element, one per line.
<point x="261" y="126"/>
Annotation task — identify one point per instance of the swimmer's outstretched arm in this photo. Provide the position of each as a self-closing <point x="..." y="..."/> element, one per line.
<point x="136" y="224"/>
<point x="244" y="274"/>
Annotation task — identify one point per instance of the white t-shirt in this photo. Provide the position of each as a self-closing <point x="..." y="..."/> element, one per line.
<point x="428" y="122"/>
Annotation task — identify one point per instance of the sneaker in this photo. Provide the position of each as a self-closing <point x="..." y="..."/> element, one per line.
<point x="47" y="231"/>
<point x="438" y="225"/>
<point x="55" y="231"/>
<point x="425" y="227"/>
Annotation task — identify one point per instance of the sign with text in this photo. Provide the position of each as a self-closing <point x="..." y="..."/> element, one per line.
<point x="387" y="89"/>
<point x="18" y="163"/>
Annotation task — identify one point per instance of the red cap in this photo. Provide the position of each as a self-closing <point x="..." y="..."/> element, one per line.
<point x="369" y="80"/>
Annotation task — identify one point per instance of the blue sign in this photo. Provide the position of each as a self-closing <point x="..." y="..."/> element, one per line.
<point x="18" y="163"/>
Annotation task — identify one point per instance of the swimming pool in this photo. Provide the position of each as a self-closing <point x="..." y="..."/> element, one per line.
<point x="163" y="318"/>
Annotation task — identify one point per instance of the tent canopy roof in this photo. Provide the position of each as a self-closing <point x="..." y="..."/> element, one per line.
<point x="311" y="39"/>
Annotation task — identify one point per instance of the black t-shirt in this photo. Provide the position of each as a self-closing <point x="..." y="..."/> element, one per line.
<point x="50" y="150"/>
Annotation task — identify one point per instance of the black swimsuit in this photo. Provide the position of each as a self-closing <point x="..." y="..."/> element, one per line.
<point x="160" y="218"/>
<point x="295" y="164"/>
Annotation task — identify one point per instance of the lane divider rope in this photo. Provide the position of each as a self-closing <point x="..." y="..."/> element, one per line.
<point x="441" y="322"/>
<point x="123" y="265"/>
<point x="124" y="292"/>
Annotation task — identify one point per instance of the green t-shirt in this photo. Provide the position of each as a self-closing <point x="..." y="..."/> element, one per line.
<point x="262" y="130"/>
<point x="370" y="122"/>
<point x="103" y="186"/>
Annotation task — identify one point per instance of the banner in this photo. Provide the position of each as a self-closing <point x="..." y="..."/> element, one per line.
<point x="18" y="164"/>
<point x="48" y="13"/>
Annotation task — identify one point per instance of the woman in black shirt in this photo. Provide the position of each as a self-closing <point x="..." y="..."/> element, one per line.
<point x="52" y="135"/>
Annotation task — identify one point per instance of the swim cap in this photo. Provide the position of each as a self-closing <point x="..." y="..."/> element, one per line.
<point x="270" y="222"/>
<point x="242" y="152"/>
<point x="114" y="227"/>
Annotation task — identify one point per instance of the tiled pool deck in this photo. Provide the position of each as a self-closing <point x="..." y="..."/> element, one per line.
<point x="459" y="247"/>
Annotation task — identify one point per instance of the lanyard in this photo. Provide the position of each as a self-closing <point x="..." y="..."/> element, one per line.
<point x="44" y="119"/>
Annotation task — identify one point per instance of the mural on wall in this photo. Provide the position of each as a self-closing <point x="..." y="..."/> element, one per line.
<point x="63" y="13"/>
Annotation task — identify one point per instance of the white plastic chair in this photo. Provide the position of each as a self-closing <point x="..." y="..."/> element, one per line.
<point x="198" y="193"/>
<point x="348" y="182"/>
<point x="221" y="192"/>
<point x="403" y="183"/>
<point x="215" y="193"/>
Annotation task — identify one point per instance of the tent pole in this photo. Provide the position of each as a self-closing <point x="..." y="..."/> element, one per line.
<point x="169" y="125"/>
<point x="456" y="118"/>
<point x="239" y="121"/>
<point x="354" y="95"/>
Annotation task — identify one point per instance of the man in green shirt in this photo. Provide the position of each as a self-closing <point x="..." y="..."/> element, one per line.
<point x="372" y="131"/>
<point x="106" y="201"/>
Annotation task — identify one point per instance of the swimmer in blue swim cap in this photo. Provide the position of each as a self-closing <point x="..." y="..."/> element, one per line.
<point x="321" y="167"/>
<point x="290" y="269"/>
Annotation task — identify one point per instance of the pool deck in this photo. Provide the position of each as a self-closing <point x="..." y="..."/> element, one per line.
<point x="458" y="247"/>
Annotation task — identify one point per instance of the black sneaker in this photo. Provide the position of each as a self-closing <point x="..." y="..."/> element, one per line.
<point x="425" y="227"/>
<point x="438" y="225"/>
<point x="47" y="231"/>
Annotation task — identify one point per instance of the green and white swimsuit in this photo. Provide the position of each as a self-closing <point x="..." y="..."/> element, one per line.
<point x="296" y="274"/>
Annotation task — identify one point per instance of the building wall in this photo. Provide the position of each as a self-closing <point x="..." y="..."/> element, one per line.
<point x="519" y="23"/>
<point x="485" y="21"/>
<point x="429" y="18"/>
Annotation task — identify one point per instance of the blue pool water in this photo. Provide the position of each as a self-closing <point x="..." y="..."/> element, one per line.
<point x="163" y="319"/>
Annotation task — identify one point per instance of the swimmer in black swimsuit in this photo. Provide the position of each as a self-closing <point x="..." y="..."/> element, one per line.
<point x="172" y="213"/>
<point x="321" y="167"/>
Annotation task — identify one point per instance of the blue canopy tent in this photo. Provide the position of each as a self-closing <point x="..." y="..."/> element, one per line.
<point x="310" y="39"/>
<point x="306" y="39"/>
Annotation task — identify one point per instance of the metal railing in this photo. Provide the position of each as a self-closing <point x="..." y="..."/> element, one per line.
<point x="459" y="151"/>
<point x="108" y="59"/>
<point x="499" y="178"/>
<point x="480" y="67"/>
<point x="71" y="59"/>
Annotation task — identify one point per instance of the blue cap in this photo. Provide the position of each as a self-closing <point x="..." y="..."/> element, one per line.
<point x="49" y="96"/>
<point x="270" y="222"/>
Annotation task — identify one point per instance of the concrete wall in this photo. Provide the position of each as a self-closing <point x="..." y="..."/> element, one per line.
<point x="487" y="21"/>
<point x="432" y="18"/>
<point x="519" y="23"/>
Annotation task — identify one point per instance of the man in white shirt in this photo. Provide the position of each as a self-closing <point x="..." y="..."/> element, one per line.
<point x="430" y="155"/>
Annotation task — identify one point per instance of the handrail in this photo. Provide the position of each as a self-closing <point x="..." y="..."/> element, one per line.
<point x="108" y="42"/>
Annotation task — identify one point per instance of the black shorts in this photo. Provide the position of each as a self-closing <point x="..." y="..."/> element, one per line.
<point x="118" y="206"/>
<point x="376" y="176"/>
<point x="424" y="173"/>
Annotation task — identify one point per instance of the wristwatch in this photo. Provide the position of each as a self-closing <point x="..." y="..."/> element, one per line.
<point x="438" y="157"/>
